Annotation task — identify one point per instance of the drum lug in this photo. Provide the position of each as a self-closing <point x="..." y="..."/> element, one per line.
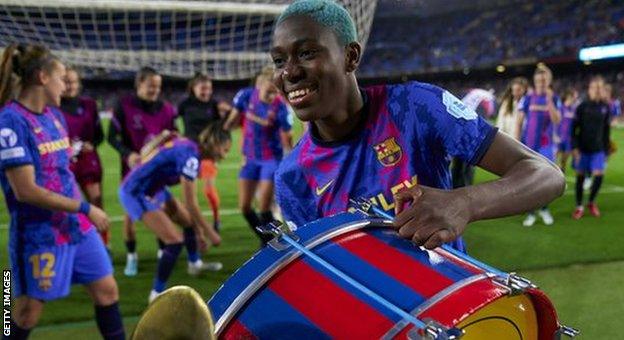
<point x="363" y="205"/>
<point x="567" y="331"/>
<point x="517" y="284"/>
<point x="277" y="229"/>
<point x="435" y="331"/>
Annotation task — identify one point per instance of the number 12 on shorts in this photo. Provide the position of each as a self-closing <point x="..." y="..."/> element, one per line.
<point x="42" y="265"/>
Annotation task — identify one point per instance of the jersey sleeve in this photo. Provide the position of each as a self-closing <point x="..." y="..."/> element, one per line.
<point x="14" y="146"/>
<point x="523" y="105"/>
<point x="289" y="196"/>
<point x="189" y="164"/>
<point x="284" y="117"/>
<point x="457" y="128"/>
<point x="241" y="99"/>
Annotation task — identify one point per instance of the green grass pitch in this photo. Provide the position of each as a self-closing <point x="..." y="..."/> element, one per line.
<point x="579" y="264"/>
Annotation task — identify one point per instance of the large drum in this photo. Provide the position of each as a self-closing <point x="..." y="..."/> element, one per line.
<point x="351" y="276"/>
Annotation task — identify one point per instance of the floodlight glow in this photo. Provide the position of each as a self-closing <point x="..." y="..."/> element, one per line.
<point x="601" y="52"/>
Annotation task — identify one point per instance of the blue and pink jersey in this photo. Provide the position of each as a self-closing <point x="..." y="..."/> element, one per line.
<point x="163" y="167"/>
<point x="408" y="136"/>
<point x="263" y="123"/>
<point x="616" y="108"/>
<point x="538" y="127"/>
<point x="40" y="140"/>
<point x="564" y="130"/>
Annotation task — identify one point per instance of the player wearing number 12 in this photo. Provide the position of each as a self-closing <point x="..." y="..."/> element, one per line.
<point x="52" y="239"/>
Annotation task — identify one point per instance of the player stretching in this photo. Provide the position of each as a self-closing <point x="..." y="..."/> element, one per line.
<point x="85" y="134"/>
<point x="197" y="111"/>
<point x="541" y="112"/>
<point x="266" y="133"/>
<point x="136" y="120"/>
<point x="389" y="141"/>
<point x="52" y="240"/>
<point x="166" y="161"/>
<point x="590" y="140"/>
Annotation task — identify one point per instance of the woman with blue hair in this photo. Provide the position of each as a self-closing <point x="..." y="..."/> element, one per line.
<point x="389" y="143"/>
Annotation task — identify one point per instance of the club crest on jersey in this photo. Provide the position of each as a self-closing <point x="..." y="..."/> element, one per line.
<point x="388" y="152"/>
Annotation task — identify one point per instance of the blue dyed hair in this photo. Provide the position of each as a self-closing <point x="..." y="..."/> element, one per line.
<point x="327" y="13"/>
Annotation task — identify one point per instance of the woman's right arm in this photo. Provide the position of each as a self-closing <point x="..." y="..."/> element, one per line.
<point x="22" y="182"/>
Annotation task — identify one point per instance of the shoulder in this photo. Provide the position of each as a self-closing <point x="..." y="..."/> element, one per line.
<point x="86" y="100"/>
<point x="168" y="107"/>
<point x="9" y="113"/>
<point x="10" y="118"/>
<point x="56" y="112"/>
<point x="289" y="165"/>
<point x="414" y="95"/>
<point x="243" y="93"/>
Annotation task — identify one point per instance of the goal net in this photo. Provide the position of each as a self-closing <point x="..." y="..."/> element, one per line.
<point x="225" y="39"/>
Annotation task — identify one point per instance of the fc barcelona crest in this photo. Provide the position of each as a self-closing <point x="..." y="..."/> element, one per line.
<point x="388" y="152"/>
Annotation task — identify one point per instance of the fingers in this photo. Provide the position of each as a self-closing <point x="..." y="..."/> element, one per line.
<point x="401" y="198"/>
<point x="438" y="238"/>
<point x="428" y="237"/>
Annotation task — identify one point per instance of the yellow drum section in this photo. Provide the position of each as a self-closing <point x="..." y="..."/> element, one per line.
<point x="508" y="318"/>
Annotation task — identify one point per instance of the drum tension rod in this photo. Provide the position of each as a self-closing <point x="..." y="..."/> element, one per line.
<point x="516" y="284"/>
<point x="277" y="229"/>
<point x="567" y="331"/>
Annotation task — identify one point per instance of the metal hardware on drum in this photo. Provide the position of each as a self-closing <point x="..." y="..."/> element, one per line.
<point x="430" y="330"/>
<point x="276" y="229"/>
<point x="567" y="331"/>
<point x="518" y="284"/>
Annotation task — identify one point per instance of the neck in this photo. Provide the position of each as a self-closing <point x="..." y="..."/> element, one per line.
<point x="34" y="100"/>
<point x="341" y="123"/>
<point x="540" y="91"/>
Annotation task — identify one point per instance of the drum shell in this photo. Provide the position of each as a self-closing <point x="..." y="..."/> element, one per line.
<point x="280" y="294"/>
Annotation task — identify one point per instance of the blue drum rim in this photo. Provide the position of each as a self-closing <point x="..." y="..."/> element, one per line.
<point x="288" y="258"/>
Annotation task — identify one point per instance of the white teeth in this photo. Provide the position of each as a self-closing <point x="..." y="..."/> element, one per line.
<point x="296" y="94"/>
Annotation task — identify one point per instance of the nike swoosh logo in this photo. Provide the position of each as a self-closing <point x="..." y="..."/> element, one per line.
<point x="321" y="190"/>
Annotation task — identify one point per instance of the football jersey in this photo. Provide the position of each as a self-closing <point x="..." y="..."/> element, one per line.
<point x="408" y="135"/>
<point x="138" y="123"/>
<point x="565" y="126"/>
<point x="616" y="108"/>
<point x="40" y="140"/>
<point x="164" y="167"/>
<point x="538" y="127"/>
<point x="263" y="122"/>
<point x="83" y="121"/>
<point x="196" y="115"/>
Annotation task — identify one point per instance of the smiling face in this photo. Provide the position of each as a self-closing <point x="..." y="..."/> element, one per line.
<point x="53" y="82"/>
<point x="540" y="80"/>
<point x="312" y="68"/>
<point x="203" y="90"/>
<point x="149" y="88"/>
<point x="517" y="90"/>
<point x="72" y="84"/>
